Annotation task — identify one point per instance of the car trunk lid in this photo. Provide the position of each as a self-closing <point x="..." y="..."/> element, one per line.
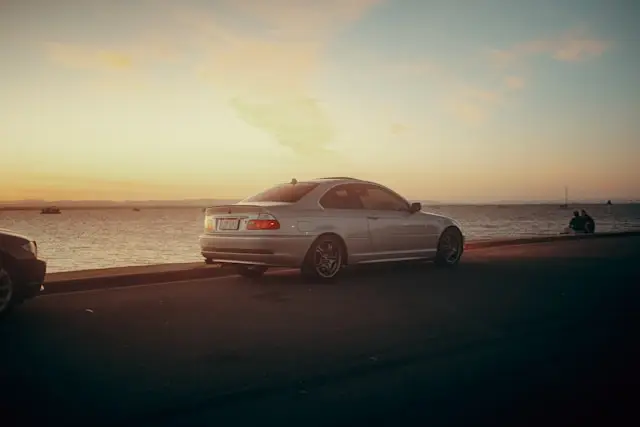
<point x="241" y="217"/>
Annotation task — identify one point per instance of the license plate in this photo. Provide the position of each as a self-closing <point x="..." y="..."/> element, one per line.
<point x="228" y="224"/>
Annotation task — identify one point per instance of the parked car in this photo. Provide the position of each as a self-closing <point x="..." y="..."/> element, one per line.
<point x="324" y="224"/>
<point x="21" y="272"/>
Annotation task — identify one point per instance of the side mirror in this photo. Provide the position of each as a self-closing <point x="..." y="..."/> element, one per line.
<point x="415" y="207"/>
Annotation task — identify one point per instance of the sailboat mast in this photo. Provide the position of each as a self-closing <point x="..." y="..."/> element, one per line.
<point x="566" y="196"/>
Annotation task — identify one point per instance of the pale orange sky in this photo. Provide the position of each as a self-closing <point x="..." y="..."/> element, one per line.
<point x="154" y="99"/>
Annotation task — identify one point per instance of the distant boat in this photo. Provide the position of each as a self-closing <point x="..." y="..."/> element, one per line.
<point x="50" y="210"/>
<point x="609" y="202"/>
<point x="136" y="209"/>
<point x="566" y="199"/>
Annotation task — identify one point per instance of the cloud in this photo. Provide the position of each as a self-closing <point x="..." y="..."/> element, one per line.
<point x="418" y="68"/>
<point x="399" y="129"/>
<point x="480" y="95"/>
<point x="75" y="56"/>
<point x="260" y="55"/>
<point x="268" y="70"/>
<point x="473" y="105"/>
<point x="579" y="49"/>
<point x="572" y="46"/>
<point x="469" y="112"/>
<point x="253" y="67"/>
<point x="299" y="124"/>
<point x="470" y="103"/>
<point x="267" y="49"/>
<point x="112" y="69"/>
<point x="101" y="58"/>
<point x="514" y="82"/>
<point x="308" y="18"/>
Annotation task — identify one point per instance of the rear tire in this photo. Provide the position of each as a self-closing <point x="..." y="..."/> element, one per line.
<point x="251" y="271"/>
<point x="325" y="259"/>
<point x="208" y="261"/>
<point x="450" y="248"/>
<point x="7" y="293"/>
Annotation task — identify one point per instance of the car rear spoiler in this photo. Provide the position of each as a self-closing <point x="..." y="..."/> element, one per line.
<point x="235" y="209"/>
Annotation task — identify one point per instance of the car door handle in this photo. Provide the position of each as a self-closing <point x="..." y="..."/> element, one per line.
<point x="372" y="217"/>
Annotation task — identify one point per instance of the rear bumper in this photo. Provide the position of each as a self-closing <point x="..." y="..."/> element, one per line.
<point x="268" y="250"/>
<point x="28" y="277"/>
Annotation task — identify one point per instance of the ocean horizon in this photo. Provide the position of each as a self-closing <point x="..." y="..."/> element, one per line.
<point x="203" y="203"/>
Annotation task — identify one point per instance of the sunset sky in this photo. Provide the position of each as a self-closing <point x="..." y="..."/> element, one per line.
<point x="476" y="100"/>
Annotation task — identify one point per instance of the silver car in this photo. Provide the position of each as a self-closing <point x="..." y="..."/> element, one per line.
<point x="324" y="224"/>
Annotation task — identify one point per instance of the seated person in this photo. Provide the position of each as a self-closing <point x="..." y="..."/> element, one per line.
<point x="589" y="223"/>
<point x="577" y="223"/>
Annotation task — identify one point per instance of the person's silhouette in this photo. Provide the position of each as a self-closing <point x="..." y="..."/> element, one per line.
<point x="577" y="222"/>
<point x="588" y="223"/>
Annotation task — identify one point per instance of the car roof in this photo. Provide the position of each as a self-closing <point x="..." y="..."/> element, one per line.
<point x="311" y="199"/>
<point x="324" y="184"/>
<point x="336" y="180"/>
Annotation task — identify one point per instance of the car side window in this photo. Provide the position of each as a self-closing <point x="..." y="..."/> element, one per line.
<point x="377" y="198"/>
<point x="341" y="197"/>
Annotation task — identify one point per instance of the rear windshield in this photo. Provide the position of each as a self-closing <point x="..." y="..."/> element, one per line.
<point x="286" y="193"/>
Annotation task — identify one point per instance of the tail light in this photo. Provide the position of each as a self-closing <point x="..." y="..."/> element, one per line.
<point x="263" y="222"/>
<point x="208" y="223"/>
<point x="31" y="247"/>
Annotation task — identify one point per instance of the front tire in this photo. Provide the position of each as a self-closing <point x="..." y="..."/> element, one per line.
<point x="251" y="271"/>
<point x="325" y="259"/>
<point x="7" y="294"/>
<point x="450" y="248"/>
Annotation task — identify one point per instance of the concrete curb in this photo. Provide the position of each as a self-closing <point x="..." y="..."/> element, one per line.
<point x="85" y="280"/>
<point x="480" y="244"/>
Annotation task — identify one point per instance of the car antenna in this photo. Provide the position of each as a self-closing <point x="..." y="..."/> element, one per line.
<point x="294" y="181"/>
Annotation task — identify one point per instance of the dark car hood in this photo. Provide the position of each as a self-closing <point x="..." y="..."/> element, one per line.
<point x="9" y="233"/>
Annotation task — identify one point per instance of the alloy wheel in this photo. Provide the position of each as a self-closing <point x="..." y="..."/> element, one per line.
<point x="327" y="259"/>
<point x="451" y="248"/>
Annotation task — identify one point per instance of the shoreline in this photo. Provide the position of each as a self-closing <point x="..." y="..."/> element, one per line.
<point x="115" y="277"/>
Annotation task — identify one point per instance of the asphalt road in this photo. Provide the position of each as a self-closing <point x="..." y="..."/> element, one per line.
<point x="542" y="334"/>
